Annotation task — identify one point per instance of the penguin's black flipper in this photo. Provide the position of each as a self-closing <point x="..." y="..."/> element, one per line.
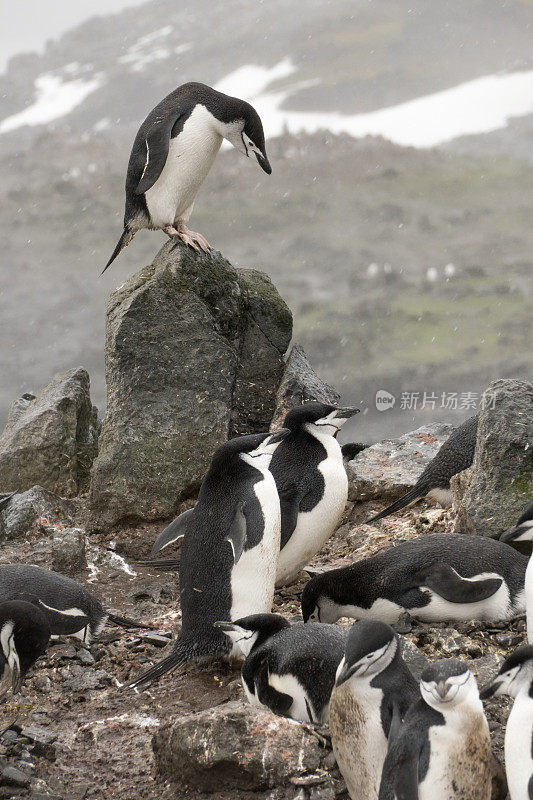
<point x="399" y="777"/>
<point x="176" y="530"/>
<point x="61" y="623"/>
<point x="413" y="494"/>
<point x="396" y="720"/>
<point x="125" y="238"/>
<point x="278" y="702"/>
<point x="289" y="500"/>
<point x="157" y="145"/>
<point x="448" y="584"/>
<point x="237" y="535"/>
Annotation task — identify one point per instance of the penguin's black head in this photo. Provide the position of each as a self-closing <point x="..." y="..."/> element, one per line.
<point x="523" y="530"/>
<point x="446" y="683"/>
<point x="318" y="604"/>
<point x="246" y="134"/>
<point x="24" y="636"/>
<point x="370" y="648"/>
<point x="255" y="449"/>
<point x="325" y="417"/>
<point x="514" y="675"/>
<point x="251" y="631"/>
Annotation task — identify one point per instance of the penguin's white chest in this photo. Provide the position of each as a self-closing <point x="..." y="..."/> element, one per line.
<point x="252" y="577"/>
<point x="190" y="157"/>
<point x="529" y="600"/>
<point x="314" y="527"/>
<point x="518" y="738"/>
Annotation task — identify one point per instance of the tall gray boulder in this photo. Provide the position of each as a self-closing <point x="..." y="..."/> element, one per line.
<point x="493" y="493"/>
<point x="194" y="355"/>
<point x="50" y="440"/>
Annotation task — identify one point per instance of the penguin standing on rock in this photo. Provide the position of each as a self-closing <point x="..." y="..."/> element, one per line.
<point x="229" y="551"/>
<point x="288" y="668"/>
<point x="442" y="751"/>
<point x="174" y="150"/>
<point x="71" y="610"/>
<point x="523" y="532"/>
<point x="515" y="678"/>
<point x="24" y="636"/>
<point x="373" y="690"/>
<point x="455" y="455"/>
<point x="312" y="483"/>
<point x="436" y="577"/>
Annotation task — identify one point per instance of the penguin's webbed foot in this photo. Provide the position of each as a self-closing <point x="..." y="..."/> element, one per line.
<point x="188" y="237"/>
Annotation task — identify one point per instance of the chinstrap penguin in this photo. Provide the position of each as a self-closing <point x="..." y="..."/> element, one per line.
<point x="71" y="610"/>
<point x="455" y="455"/>
<point x="523" y="532"/>
<point x="288" y="668"/>
<point x="174" y="150"/>
<point x="229" y="552"/>
<point x="312" y="483"/>
<point x="436" y="577"/>
<point x="24" y="636"/>
<point x="515" y="678"/>
<point x="442" y="750"/>
<point x="373" y="690"/>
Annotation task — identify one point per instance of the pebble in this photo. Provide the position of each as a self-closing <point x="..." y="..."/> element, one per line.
<point x="14" y="777"/>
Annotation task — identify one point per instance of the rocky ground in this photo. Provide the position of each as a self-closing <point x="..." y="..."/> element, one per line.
<point x="79" y="734"/>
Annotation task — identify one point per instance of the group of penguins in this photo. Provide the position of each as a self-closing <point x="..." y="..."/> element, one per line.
<point x="266" y="506"/>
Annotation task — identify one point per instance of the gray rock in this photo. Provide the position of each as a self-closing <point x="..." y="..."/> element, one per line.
<point x="50" y="440"/>
<point x="68" y="551"/>
<point x="300" y="384"/>
<point x="14" y="777"/>
<point x="414" y="658"/>
<point x="194" y="355"/>
<point x="235" y="746"/>
<point x="20" y="514"/>
<point x="500" y="482"/>
<point x="390" y="468"/>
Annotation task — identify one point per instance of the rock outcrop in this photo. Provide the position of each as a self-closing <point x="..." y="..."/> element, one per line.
<point x="300" y="384"/>
<point x="390" y="468"/>
<point x="50" y="440"/>
<point x="20" y="513"/>
<point x="194" y="355"/>
<point x="235" y="746"/>
<point x="500" y="481"/>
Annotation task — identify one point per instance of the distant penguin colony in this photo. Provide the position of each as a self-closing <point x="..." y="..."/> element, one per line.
<point x="70" y="609"/>
<point x="373" y="690"/>
<point x="435" y="577"/>
<point x="288" y="668"/>
<point x="229" y="551"/>
<point x="455" y="455"/>
<point x="442" y="750"/>
<point x="24" y="636"/>
<point x="174" y="150"/>
<point x="515" y="678"/>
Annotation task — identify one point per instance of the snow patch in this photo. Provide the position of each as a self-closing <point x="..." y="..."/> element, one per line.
<point x="55" y="99"/>
<point x="478" y="106"/>
<point x="143" y="52"/>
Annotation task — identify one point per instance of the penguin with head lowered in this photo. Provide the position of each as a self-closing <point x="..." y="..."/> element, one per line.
<point x="229" y="551"/>
<point x="523" y="532"/>
<point x="70" y="609"/>
<point x="515" y="678"/>
<point x="311" y="478"/>
<point x="24" y="636"/>
<point x="455" y="455"/>
<point x="174" y="150"/>
<point x="436" y="577"/>
<point x="442" y="750"/>
<point x="288" y="668"/>
<point x="373" y="690"/>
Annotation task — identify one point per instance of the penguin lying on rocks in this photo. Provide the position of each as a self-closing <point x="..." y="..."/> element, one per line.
<point x="312" y="483"/>
<point x="515" y="678"/>
<point x="229" y="551"/>
<point x="24" y="636"/>
<point x="436" y="577"/>
<point x="373" y="690"/>
<point x="523" y="532"/>
<point x="173" y="151"/>
<point x="442" y="750"/>
<point x="455" y="455"/>
<point x="71" y="610"/>
<point x="288" y="668"/>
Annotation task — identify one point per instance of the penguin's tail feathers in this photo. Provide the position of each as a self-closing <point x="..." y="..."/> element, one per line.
<point x="161" y="564"/>
<point x="126" y="237"/>
<point x="410" y="497"/>
<point x="183" y="652"/>
<point x="125" y="622"/>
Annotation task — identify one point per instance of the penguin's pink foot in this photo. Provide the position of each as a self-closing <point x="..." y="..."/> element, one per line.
<point x="192" y="238"/>
<point x="185" y="236"/>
